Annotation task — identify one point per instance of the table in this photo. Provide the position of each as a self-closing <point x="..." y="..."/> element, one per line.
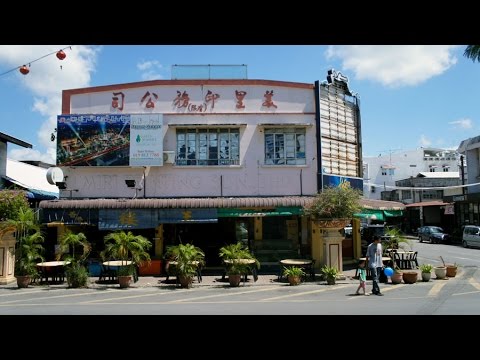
<point x="110" y="270"/>
<point x="174" y="263"/>
<point x="253" y="269"/>
<point x="306" y="264"/>
<point x="53" y="269"/>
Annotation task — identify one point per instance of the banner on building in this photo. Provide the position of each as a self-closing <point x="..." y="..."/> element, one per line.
<point x="110" y="140"/>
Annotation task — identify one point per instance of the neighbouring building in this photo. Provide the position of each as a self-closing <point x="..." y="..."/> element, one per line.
<point x="210" y="161"/>
<point x="380" y="173"/>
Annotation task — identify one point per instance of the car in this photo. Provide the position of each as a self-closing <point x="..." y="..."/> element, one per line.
<point x="432" y="234"/>
<point x="471" y="236"/>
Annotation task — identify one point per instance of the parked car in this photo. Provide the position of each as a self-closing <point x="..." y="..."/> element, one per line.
<point x="432" y="234"/>
<point x="471" y="236"/>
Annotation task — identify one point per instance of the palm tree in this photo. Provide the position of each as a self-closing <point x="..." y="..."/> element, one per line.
<point x="24" y="224"/>
<point x="29" y="252"/>
<point x="74" y="240"/>
<point x="124" y="246"/>
<point x="472" y="52"/>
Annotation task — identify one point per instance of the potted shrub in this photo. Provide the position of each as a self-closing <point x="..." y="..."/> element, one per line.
<point x="294" y="274"/>
<point x="188" y="258"/>
<point x="130" y="249"/>
<point x="238" y="261"/>
<point x="28" y="253"/>
<point x="426" y="271"/>
<point x="76" y="270"/>
<point x="335" y="206"/>
<point x="397" y="276"/>
<point x="329" y="273"/>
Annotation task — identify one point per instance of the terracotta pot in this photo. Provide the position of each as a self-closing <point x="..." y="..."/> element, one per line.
<point x="23" y="281"/>
<point x="124" y="281"/>
<point x="185" y="281"/>
<point x="234" y="280"/>
<point x="410" y="277"/>
<point x="396" y="277"/>
<point x="294" y="279"/>
<point x="451" y="270"/>
<point x="331" y="280"/>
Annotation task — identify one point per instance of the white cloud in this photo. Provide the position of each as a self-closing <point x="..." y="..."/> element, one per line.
<point x="462" y="124"/>
<point x="394" y="65"/>
<point x="424" y="141"/>
<point x="45" y="83"/>
<point x="150" y="70"/>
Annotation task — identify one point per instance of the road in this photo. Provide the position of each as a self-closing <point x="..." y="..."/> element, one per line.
<point x="459" y="295"/>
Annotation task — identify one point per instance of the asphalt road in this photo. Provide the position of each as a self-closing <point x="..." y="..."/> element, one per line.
<point x="459" y="295"/>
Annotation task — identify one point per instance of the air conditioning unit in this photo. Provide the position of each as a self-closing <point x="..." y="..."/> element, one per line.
<point x="169" y="157"/>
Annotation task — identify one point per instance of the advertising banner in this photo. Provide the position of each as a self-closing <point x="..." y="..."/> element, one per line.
<point x="335" y="180"/>
<point x="110" y="140"/>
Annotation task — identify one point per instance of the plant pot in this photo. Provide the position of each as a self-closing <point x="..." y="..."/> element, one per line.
<point x="23" y="281"/>
<point x="396" y="277"/>
<point x="440" y="272"/>
<point x="294" y="279"/>
<point x="234" y="280"/>
<point x="185" y="281"/>
<point x="410" y="277"/>
<point x="124" y="281"/>
<point x="451" y="270"/>
<point x="331" y="280"/>
<point x="426" y="276"/>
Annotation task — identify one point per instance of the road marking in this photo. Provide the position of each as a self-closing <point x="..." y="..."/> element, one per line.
<point x="54" y="297"/>
<point x="270" y="288"/>
<point x="436" y="288"/>
<point x="19" y="293"/>
<point x="475" y="284"/>
<point x="305" y="293"/>
<point x="383" y="290"/>
<point x="177" y="291"/>
<point x="466" y="293"/>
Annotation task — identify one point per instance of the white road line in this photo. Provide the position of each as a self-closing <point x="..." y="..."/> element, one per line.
<point x="54" y="297"/>
<point x="19" y="293"/>
<point x="269" y="288"/>
<point x="177" y="291"/>
<point x="382" y="290"/>
<point x="306" y="293"/>
<point x="475" y="284"/>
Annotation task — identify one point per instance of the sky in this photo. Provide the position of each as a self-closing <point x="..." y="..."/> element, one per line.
<point x="411" y="96"/>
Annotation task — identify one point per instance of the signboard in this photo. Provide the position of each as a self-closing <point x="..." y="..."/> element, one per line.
<point x="449" y="209"/>
<point x="110" y="140"/>
<point x="336" y="180"/>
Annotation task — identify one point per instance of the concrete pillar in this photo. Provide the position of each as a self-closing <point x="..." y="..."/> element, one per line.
<point x="357" y="239"/>
<point x="158" y="239"/>
<point x="317" y="245"/>
<point x="257" y="228"/>
<point x="7" y="258"/>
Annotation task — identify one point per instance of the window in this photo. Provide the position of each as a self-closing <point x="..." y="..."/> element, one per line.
<point x="372" y="189"/>
<point x="391" y="171"/>
<point x="285" y="146"/>
<point x="212" y="146"/>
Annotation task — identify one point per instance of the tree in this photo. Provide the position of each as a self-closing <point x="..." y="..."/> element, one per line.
<point x="124" y="246"/>
<point x="472" y="52"/>
<point x="74" y="240"/>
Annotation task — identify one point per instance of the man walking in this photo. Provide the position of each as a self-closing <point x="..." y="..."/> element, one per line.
<point x="374" y="260"/>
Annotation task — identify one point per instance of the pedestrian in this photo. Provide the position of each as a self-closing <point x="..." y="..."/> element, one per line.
<point x="362" y="276"/>
<point x="374" y="259"/>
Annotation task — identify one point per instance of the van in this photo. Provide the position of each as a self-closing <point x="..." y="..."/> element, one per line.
<point x="471" y="236"/>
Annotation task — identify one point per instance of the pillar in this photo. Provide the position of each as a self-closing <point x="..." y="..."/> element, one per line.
<point x="357" y="239"/>
<point x="257" y="228"/>
<point x="7" y="258"/>
<point x="317" y="245"/>
<point x="332" y="248"/>
<point x="158" y="239"/>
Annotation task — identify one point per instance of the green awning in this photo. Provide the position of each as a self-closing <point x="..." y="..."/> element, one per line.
<point x="279" y="211"/>
<point x="371" y="214"/>
<point x="393" y="213"/>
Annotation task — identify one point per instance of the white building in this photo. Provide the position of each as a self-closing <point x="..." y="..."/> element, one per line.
<point x="381" y="172"/>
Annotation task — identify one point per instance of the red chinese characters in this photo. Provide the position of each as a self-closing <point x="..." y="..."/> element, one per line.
<point x="182" y="100"/>
<point x="240" y="95"/>
<point x="210" y="98"/>
<point x="115" y="101"/>
<point x="150" y="104"/>
<point x="268" y="99"/>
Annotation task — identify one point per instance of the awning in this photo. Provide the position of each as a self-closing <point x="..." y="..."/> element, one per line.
<point x="427" y="203"/>
<point x="370" y="214"/>
<point x="33" y="193"/>
<point x="392" y="213"/>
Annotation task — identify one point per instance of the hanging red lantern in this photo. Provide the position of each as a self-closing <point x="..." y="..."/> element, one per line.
<point x="24" y="70"/>
<point x="61" y="55"/>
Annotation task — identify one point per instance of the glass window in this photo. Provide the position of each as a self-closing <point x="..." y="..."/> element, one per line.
<point x="285" y="146"/>
<point x="215" y="146"/>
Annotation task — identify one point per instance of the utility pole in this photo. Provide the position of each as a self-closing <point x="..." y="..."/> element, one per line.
<point x="462" y="170"/>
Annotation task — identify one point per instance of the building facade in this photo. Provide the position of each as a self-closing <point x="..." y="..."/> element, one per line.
<point x="204" y="161"/>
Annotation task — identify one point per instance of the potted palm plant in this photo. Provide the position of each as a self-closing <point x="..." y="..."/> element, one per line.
<point x="130" y="249"/>
<point x="329" y="273"/>
<point x="238" y="261"/>
<point x="294" y="274"/>
<point x="188" y="258"/>
<point x="28" y="253"/>
<point x="76" y="271"/>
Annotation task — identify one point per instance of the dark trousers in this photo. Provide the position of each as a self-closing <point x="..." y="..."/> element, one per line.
<point x="375" y="279"/>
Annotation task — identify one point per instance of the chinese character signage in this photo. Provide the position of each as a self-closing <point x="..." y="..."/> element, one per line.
<point x="110" y="140"/>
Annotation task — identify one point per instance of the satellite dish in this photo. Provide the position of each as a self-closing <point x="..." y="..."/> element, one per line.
<point x="54" y="175"/>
